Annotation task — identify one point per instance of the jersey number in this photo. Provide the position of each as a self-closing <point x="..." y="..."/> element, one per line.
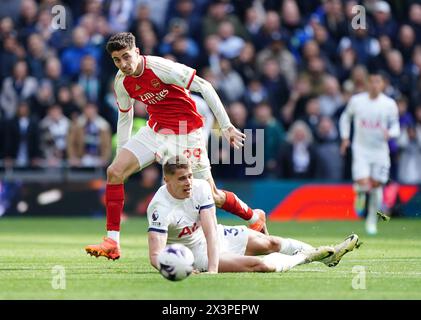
<point x="188" y="231"/>
<point x="196" y="152"/>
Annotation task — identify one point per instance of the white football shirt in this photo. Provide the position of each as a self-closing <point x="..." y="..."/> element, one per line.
<point x="371" y="117"/>
<point x="180" y="218"/>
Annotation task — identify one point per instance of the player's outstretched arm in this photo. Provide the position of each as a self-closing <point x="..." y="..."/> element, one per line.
<point x="156" y="242"/>
<point x="233" y="135"/>
<point x="208" y="222"/>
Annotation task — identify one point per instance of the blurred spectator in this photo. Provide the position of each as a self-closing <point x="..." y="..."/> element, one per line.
<point x="10" y="53"/>
<point x="274" y="135"/>
<point x="158" y="9"/>
<point x="119" y="13"/>
<point x="10" y="8"/>
<point x="65" y="100"/>
<point x="72" y="56"/>
<point x="290" y="16"/>
<point x="42" y="100"/>
<point x="37" y="56"/>
<point x="383" y="22"/>
<point x="22" y="139"/>
<point x="88" y="78"/>
<point x="379" y="62"/>
<point x="364" y="45"/>
<point x="295" y="106"/>
<point x="297" y="158"/>
<point x="142" y="17"/>
<point x="177" y="42"/>
<point x="329" y="159"/>
<point x="186" y="10"/>
<point x="217" y="13"/>
<point x="406" y="42"/>
<point x="211" y="57"/>
<point x="278" y="50"/>
<point x="415" y="19"/>
<point x="230" y="45"/>
<point x="268" y="31"/>
<point x="245" y="63"/>
<point x="255" y="94"/>
<point x="26" y="24"/>
<point x="332" y="17"/>
<point x="54" y="130"/>
<point x="312" y="115"/>
<point x="276" y="85"/>
<point x="54" y="75"/>
<point x="347" y="61"/>
<point x="19" y="87"/>
<point x="331" y="98"/>
<point x="89" y="140"/>
<point x="398" y="77"/>
<point x="230" y="82"/>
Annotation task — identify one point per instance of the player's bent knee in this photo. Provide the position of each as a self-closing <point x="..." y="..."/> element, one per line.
<point x="115" y="174"/>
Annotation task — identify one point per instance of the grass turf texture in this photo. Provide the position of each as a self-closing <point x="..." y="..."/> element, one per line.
<point x="31" y="247"/>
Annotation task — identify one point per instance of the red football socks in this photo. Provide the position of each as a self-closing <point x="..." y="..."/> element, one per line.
<point x="114" y="202"/>
<point x="235" y="206"/>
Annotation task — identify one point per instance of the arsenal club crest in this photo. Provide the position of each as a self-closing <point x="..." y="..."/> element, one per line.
<point x="155" y="83"/>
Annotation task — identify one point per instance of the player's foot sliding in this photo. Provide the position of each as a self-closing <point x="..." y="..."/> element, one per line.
<point x="108" y="248"/>
<point x="256" y="218"/>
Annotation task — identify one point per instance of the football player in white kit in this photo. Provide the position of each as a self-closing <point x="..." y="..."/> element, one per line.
<point x="183" y="211"/>
<point x="376" y="120"/>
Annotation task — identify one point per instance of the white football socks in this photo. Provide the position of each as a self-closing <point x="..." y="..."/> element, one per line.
<point x="283" y="262"/>
<point x="289" y="246"/>
<point x="115" y="235"/>
<point x="374" y="204"/>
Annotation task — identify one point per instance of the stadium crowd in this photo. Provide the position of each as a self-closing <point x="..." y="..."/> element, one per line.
<point x="288" y="67"/>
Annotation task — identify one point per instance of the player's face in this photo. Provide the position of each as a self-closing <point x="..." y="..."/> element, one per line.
<point x="127" y="60"/>
<point x="375" y="84"/>
<point x="180" y="183"/>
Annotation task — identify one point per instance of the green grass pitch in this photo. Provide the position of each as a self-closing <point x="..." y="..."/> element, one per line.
<point x="31" y="247"/>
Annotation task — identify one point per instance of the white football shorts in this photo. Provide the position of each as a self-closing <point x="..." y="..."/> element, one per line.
<point x="375" y="167"/>
<point x="149" y="146"/>
<point x="232" y="239"/>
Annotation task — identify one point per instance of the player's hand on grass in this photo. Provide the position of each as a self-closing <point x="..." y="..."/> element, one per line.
<point x="344" y="146"/>
<point x="235" y="137"/>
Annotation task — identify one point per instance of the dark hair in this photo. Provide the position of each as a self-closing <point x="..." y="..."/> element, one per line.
<point x="120" y="41"/>
<point x="174" y="163"/>
<point x="379" y="72"/>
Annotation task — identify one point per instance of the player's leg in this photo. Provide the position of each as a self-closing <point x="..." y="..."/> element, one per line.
<point x="379" y="176"/>
<point x="259" y="244"/>
<point x="229" y="201"/>
<point x="134" y="156"/>
<point x="195" y="150"/>
<point x="361" y="178"/>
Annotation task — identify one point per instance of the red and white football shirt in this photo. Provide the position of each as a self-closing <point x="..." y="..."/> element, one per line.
<point x="163" y="87"/>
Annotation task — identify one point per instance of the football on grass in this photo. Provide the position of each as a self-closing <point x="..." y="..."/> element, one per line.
<point x="175" y="262"/>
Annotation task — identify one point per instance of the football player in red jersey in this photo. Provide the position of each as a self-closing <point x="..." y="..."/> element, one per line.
<point x="174" y="127"/>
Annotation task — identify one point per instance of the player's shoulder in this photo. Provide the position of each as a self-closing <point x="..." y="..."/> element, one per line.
<point x="119" y="76"/>
<point x="158" y="200"/>
<point x="388" y="99"/>
<point x="201" y="188"/>
<point x="360" y="96"/>
<point x="156" y="61"/>
<point x="200" y="184"/>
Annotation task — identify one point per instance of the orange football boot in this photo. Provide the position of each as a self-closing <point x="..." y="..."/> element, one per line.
<point x="260" y="224"/>
<point x="108" y="248"/>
